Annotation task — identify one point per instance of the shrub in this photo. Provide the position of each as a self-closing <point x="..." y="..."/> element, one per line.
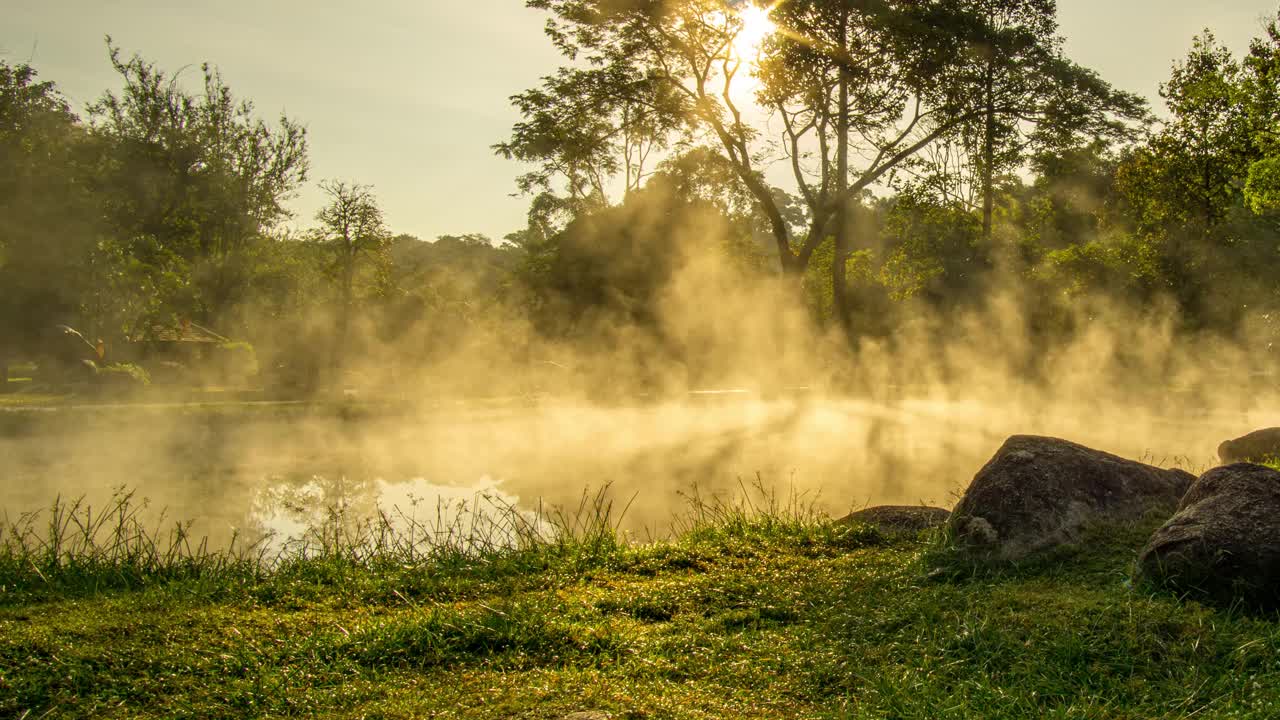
<point x="235" y="360"/>
<point x="122" y="375"/>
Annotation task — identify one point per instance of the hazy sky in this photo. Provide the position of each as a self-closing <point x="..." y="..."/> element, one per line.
<point x="408" y="95"/>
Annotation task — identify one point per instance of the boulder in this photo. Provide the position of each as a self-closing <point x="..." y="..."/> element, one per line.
<point x="1256" y="446"/>
<point x="1038" y="493"/>
<point x="893" y="519"/>
<point x="1223" y="543"/>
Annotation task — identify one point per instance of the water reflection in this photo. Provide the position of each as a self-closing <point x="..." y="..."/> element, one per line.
<point x="288" y="507"/>
<point x="275" y="471"/>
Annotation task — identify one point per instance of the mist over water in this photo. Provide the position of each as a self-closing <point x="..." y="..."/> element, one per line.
<point x="726" y="381"/>
<point x="729" y="386"/>
<point x="283" y="469"/>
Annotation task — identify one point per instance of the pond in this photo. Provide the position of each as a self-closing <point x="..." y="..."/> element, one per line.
<point x="258" y="471"/>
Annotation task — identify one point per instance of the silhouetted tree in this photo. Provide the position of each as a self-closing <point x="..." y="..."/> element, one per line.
<point x="352" y="231"/>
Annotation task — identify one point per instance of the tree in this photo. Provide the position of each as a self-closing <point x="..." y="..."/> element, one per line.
<point x="877" y="80"/>
<point x="47" y="219"/>
<point x="193" y="183"/>
<point x="584" y="126"/>
<point x="1196" y="195"/>
<point x="1260" y="95"/>
<point x="834" y="70"/>
<point x="935" y="251"/>
<point x="352" y="231"/>
<point x="1190" y="170"/>
<point x="1031" y="97"/>
<point x="872" y="82"/>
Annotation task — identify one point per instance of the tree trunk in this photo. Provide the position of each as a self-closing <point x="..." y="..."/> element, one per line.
<point x="1206" y="175"/>
<point x="839" y="259"/>
<point x="988" y="155"/>
<point x="338" y="356"/>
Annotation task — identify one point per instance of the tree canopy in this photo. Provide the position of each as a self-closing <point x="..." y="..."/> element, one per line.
<point x="885" y="161"/>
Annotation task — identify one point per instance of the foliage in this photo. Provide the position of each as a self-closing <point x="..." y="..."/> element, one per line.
<point x="1033" y="100"/>
<point x="757" y="609"/>
<point x="1260" y="92"/>
<point x="236" y="361"/>
<point x="609" y="268"/>
<point x="190" y="183"/>
<point x="685" y="54"/>
<point x="886" y="158"/>
<point x="47" y="229"/>
<point x="883" y="81"/>
<point x="1188" y="171"/>
<point x="937" y="251"/>
<point x="353" y="235"/>
<point x="123" y="374"/>
<point x="587" y="125"/>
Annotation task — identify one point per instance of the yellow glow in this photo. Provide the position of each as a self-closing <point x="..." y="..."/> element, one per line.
<point x="756" y="26"/>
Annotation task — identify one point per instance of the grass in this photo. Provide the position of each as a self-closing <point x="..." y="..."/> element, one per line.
<point x="22" y="394"/>
<point x="17" y="391"/>
<point x="757" y="609"/>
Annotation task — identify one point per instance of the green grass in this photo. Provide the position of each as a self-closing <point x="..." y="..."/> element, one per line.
<point x="22" y="399"/>
<point x="754" y="611"/>
<point x="22" y="391"/>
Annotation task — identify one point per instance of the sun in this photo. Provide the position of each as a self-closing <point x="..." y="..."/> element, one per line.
<point x="756" y="26"/>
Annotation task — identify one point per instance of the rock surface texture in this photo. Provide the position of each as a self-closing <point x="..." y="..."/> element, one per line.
<point x="1038" y="493"/>
<point x="899" y="518"/>
<point x="1257" y="445"/>
<point x="1224" y="541"/>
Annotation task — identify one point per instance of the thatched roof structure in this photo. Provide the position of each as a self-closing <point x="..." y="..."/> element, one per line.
<point x="186" y="332"/>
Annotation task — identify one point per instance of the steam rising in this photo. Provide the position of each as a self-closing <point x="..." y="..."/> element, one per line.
<point x="906" y="419"/>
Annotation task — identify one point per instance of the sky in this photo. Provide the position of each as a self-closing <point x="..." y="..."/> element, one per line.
<point x="409" y="95"/>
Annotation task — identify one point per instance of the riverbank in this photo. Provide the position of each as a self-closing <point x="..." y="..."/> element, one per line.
<point x="748" y="613"/>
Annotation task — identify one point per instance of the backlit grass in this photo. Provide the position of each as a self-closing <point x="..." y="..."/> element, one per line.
<point x="754" y="611"/>
<point x="18" y="396"/>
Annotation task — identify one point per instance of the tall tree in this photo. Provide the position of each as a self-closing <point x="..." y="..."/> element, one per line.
<point x="351" y="228"/>
<point x="584" y="126"/>
<point x="876" y="81"/>
<point x="193" y="181"/>
<point x="1032" y="100"/>
<point x="1191" y="169"/>
<point x="871" y="81"/>
<point x="47" y="219"/>
<point x="1260" y="96"/>
<point x="691" y="54"/>
<point x="1197" y="189"/>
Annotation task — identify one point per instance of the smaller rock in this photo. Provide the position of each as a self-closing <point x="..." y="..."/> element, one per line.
<point x="899" y="518"/>
<point x="587" y="715"/>
<point x="1224" y="541"/>
<point x="1254" y="447"/>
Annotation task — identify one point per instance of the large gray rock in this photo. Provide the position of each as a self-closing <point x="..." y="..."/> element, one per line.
<point x="1257" y="445"/>
<point x="897" y="519"/>
<point x="1038" y="493"/>
<point x="1224" y="541"/>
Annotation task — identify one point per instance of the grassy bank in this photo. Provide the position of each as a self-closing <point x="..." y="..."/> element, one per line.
<point x="748" y="614"/>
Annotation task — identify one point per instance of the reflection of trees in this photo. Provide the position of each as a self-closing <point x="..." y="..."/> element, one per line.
<point x="346" y="493"/>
